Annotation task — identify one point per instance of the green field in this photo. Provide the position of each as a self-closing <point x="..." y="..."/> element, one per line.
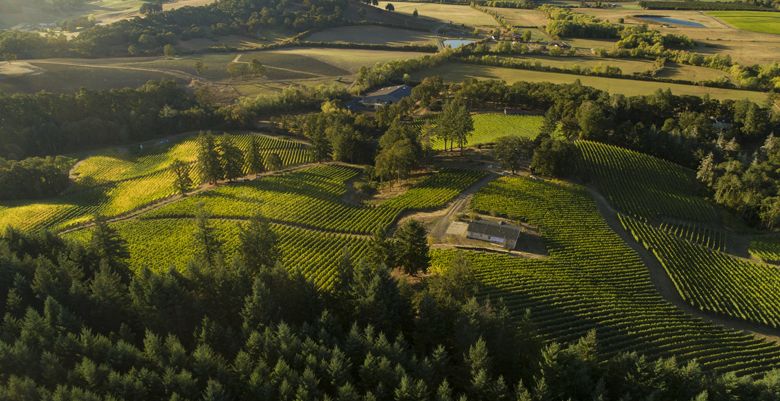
<point x="593" y="280"/>
<point x="490" y="126"/>
<point x="445" y="13"/>
<point x="455" y="72"/>
<point x="120" y="180"/>
<point x="754" y="21"/>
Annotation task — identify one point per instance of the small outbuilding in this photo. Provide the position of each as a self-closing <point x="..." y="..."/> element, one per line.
<point x="499" y="233"/>
<point x="386" y="96"/>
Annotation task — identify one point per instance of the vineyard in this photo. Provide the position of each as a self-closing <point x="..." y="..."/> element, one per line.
<point x="592" y="279"/>
<point x="314" y="224"/>
<point x="313" y="198"/>
<point x="111" y="184"/>
<point x="767" y="251"/>
<point x="163" y="244"/>
<point x="642" y="185"/>
<point x="711" y="280"/>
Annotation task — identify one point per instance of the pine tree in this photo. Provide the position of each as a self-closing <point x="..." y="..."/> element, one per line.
<point x="254" y="162"/>
<point x="108" y="244"/>
<point x="208" y="159"/>
<point x="274" y="162"/>
<point x="259" y="244"/>
<point x="205" y="237"/>
<point x="412" y="247"/>
<point x="231" y="158"/>
<point x="183" y="182"/>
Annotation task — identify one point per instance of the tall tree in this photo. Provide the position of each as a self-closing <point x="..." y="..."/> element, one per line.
<point x="512" y="152"/>
<point x="231" y="158"/>
<point x="108" y="244"/>
<point x="456" y="122"/>
<point x="411" y="244"/>
<point x="259" y="244"/>
<point x="254" y="159"/>
<point x="208" y="159"/>
<point x="183" y="182"/>
<point x="209" y="246"/>
<point x="274" y="162"/>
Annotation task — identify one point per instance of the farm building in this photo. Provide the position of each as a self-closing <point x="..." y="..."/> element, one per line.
<point x="495" y="232"/>
<point x="385" y="96"/>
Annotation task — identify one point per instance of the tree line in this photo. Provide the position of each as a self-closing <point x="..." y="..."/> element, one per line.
<point x="35" y="177"/>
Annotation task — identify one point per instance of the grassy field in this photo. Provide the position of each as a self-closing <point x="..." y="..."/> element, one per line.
<point x="522" y="17"/>
<point x="490" y="126"/>
<point x="446" y="13"/>
<point x="305" y="66"/>
<point x="120" y="180"/>
<point x="754" y="21"/>
<point x="460" y="71"/>
<point x="593" y="280"/>
<point x="373" y="34"/>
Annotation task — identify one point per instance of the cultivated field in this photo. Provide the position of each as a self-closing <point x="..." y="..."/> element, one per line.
<point x="661" y="207"/>
<point x="522" y="18"/>
<point x="373" y="34"/>
<point x="121" y="180"/>
<point x="305" y="66"/>
<point x="460" y="71"/>
<point x="446" y="13"/>
<point x="593" y="280"/>
<point x="307" y="208"/>
<point x="754" y="21"/>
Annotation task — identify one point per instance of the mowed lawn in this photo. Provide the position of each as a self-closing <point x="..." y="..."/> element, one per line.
<point x="490" y="126"/>
<point x="459" y="71"/>
<point x="754" y="21"/>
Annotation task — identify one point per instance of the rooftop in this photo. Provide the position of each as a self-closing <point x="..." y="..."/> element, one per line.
<point x="494" y="229"/>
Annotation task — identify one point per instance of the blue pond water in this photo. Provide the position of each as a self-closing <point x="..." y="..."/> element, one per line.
<point x="670" y="21"/>
<point x="456" y="43"/>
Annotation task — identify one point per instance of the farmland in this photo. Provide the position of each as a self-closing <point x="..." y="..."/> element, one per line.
<point x="373" y="34"/>
<point x="592" y="279"/>
<point x="460" y="71"/>
<point x="754" y="21"/>
<point x="315" y="225"/>
<point x="306" y="66"/>
<point x="117" y="181"/>
<point x="445" y="13"/>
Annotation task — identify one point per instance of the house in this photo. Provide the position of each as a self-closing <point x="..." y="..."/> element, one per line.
<point x="386" y="96"/>
<point x="499" y="233"/>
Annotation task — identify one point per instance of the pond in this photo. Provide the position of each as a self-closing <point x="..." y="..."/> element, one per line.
<point x="670" y="21"/>
<point x="456" y="43"/>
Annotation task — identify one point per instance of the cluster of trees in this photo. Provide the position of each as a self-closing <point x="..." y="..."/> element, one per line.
<point x="34" y="177"/>
<point x="749" y="187"/>
<point x="50" y="124"/>
<point x="336" y="133"/>
<point x="544" y="155"/>
<point x="567" y="24"/>
<point x="221" y="158"/>
<point x="149" y="35"/>
<point x="452" y="126"/>
<point x="79" y="326"/>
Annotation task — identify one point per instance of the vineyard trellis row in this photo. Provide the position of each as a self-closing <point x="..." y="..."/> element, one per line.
<point x="111" y="191"/>
<point x="593" y="280"/>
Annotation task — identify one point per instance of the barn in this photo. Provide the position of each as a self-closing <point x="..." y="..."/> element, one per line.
<point x="499" y="233"/>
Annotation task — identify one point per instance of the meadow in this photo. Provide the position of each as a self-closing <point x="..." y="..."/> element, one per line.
<point x="454" y="72"/>
<point x="754" y="21"/>
<point x="490" y="126"/>
<point x="120" y="180"/>
<point x="593" y="280"/>
<point x="373" y="34"/>
<point x="445" y="13"/>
